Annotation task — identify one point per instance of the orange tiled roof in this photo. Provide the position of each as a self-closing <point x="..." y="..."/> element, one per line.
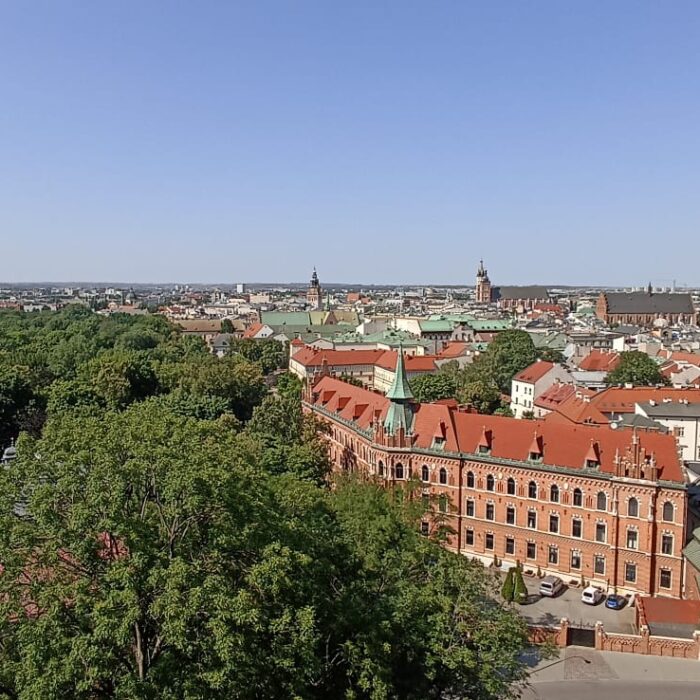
<point x="561" y="444"/>
<point x="456" y="348"/>
<point x="312" y="357"/>
<point x="252" y="330"/>
<point x="599" y="361"/>
<point x="555" y="395"/>
<point x="534" y="372"/>
<point x="621" y="400"/>
<point x="413" y="363"/>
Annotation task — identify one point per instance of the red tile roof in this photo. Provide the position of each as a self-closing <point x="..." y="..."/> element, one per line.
<point x="670" y="611"/>
<point x="312" y="357"/>
<point x="253" y="330"/>
<point x="561" y="444"/>
<point x="555" y="395"/>
<point x="534" y="372"/>
<point x="599" y="361"/>
<point x="413" y="363"/>
<point x="620" y="400"/>
<point x="297" y="342"/>
<point x="454" y="349"/>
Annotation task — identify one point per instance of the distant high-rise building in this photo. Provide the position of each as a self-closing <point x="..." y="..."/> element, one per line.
<point x="314" y="294"/>
<point x="240" y="288"/>
<point x="483" y="285"/>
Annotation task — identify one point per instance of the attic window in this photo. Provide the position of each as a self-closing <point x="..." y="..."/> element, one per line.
<point x="439" y="442"/>
<point x="484" y="450"/>
<point x="592" y="464"/>
<point x="535" y="456"/>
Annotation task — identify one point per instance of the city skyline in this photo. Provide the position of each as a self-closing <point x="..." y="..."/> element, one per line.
<point x="394" y="144"/>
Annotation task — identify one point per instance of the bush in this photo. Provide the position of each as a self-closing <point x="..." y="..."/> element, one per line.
<point x="508" y="590"/>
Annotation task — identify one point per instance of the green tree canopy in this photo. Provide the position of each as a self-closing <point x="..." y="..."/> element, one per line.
<point x="148" y="554"/>
<point x="636" y="368"/>
<point x="433" y="387"/>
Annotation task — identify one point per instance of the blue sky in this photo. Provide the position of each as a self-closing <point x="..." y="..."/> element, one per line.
<point x="390" y="142"/>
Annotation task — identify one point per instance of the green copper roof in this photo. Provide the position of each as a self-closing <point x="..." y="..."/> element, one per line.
<point x="399" y="389"/>
<point x="692" y="549"/>
<point x="399" y="415"/>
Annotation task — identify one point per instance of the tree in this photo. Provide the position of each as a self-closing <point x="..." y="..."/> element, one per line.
<point x="511" y="351"/>
<point x="520" y="593"/>
<point x="227" y="326"/>
<point x="636" y="368"/>
<point x="551" y="355"/>
<point x="433" y="387"/>
<point x="482" y="395"/>
<point x="153" y="557"/>
<point x="508" y="590"/>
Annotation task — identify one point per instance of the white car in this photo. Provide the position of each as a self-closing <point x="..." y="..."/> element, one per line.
<point x="591" y="595"/>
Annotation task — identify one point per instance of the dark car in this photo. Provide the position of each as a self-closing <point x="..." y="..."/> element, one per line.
<point x="615" y="602"/>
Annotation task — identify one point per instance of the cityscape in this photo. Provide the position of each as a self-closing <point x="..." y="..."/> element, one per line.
<point x="350" y="351"/>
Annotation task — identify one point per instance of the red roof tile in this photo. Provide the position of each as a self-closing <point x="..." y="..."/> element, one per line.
<point x="561" y="444"/>
<point x="599" y="361"/>
<point x="534" y="372"/>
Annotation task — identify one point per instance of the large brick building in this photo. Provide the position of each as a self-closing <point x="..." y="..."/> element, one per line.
<point x="645" y="308"/>
<point x="581" y="502"/>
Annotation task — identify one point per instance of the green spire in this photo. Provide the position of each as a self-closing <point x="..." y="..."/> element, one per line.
<point x="400" y="389"/>
<point x="400" y="412"/>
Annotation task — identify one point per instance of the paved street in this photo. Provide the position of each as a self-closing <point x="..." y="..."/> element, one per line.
<point x="582" y="673"/>
<point x="549" y="611"/>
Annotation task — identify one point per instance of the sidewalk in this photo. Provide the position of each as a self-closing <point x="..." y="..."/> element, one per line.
<point x="581" y="663"/>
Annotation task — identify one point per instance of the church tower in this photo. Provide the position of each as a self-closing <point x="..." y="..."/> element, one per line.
<point x="483" y="285"/>
<point x="314" y="294"/>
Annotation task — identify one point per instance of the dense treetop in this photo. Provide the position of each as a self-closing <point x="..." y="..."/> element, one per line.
<point x="168" y="531"/>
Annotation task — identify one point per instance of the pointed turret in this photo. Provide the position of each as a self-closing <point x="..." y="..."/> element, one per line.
<point x="399" y="415"/>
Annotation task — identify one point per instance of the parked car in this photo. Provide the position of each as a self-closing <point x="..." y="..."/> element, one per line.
<point x="591" y="595"/>
<point x="615" y="601"/>
<point x="550" y="586"/>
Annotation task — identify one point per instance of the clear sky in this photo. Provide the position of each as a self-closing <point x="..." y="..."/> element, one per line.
<point x="390" y="142"/>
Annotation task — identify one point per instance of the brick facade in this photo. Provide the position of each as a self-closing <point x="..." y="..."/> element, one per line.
<point x="632" y="520"/>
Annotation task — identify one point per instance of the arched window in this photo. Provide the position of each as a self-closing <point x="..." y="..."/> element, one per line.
<point x="399" y="471"/>
<point x="578" y="497"/>
<point x="554" y="493"/>
<point x="425" y="473"/>
<point x="601" y="501"/>
<point x="667" y="513"/>
<point x="443" y="475"/>
<point x="490" y="483"/>
<point x="470" y="480"/>
<point x="380" y="468"/>
<point x="532" y="490"/>
<point x="510" y="485"/>
<point x="633" y="508"/>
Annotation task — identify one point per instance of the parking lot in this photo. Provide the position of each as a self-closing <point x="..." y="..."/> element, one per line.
<point x="549" y="611"/>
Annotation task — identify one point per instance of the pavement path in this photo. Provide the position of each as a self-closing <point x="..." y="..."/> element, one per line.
<point x="581" y="673"/>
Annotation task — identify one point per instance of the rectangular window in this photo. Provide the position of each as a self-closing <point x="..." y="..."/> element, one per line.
<point x="531" y="550"/>
<point x="679" y="431"/>
<point x="666" y="544"/>
<point x="553" y="555"/>
<point x="599" y="565"/>
<point x="576" y="527"/>
<point x="600" y="532"/>
<point x="554" y="523"/>
<point x="424" y="528"/>
<point x="665" y="578"/>
<point x="575" y="559"/>
<point x="630" y="573"/>
<point x="469" y="536"/>
<point x="510" y="515"/>
<point x="489" y="540"/>
<point x="632" y="539"/>
<point x="490" y="510"/>
<point x="510" y="545"/>
<point x="531" y="519"/>
<point x="470" y="508"/>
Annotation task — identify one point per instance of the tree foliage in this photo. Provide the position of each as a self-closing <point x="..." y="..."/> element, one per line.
<point x="636" y="368"/>
<point x="155" y="556"/>
<point x="433" y="387"/>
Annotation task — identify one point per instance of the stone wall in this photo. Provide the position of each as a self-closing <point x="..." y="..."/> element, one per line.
<point x="645" y="643"/>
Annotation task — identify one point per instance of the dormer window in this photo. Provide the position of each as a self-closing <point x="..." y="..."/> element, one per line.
<point x="484" y="450"/>
<point x="592" y="464"/>
<point x="535" y="457"/>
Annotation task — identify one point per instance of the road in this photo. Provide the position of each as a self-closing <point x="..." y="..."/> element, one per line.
<point x="613" y="690"/>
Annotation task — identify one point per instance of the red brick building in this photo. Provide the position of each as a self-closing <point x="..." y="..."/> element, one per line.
<point x="644" y="308"/>
<point x="581" y="502"/>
